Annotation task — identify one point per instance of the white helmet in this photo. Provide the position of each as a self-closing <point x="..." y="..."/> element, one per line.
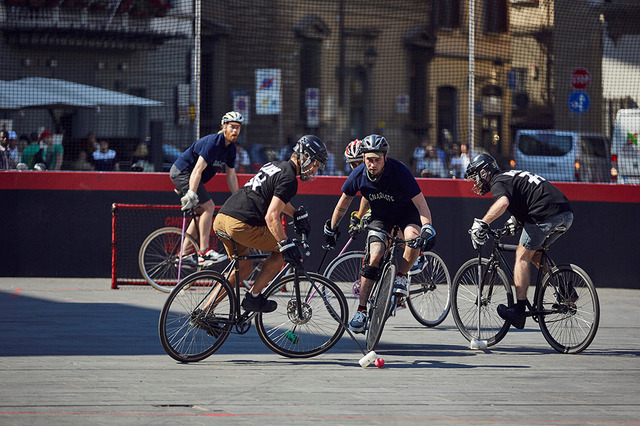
<point x="353" y="151"/>
<point x="232" y="116"/>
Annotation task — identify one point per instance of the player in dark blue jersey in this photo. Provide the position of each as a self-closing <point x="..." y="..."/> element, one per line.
<point x="195" y="167"/>
<point x="535" y="204"/>
<point x="395" y="199"/>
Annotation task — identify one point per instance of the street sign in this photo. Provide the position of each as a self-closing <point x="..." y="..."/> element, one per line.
<point x="579" y="101"/>
<point x="580" y="78"/>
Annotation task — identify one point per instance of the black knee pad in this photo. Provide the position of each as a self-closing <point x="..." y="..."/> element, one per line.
<point x="371" y="272"/>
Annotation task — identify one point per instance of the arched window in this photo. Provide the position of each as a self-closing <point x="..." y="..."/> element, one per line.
<point x="447" y="116"/>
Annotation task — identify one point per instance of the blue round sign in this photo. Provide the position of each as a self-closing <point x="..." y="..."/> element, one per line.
<point x="579" y="101"/>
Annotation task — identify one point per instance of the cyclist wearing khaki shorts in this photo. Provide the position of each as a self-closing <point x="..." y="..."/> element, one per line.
<point x="251" y="216"/>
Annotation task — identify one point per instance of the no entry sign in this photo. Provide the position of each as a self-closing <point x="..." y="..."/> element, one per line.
<point x="580" y="78"/>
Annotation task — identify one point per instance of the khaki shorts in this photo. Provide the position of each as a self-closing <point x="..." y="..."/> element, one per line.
<point x="245" y="236"/>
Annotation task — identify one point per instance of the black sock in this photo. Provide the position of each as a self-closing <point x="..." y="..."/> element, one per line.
<point x="520" y="306"/>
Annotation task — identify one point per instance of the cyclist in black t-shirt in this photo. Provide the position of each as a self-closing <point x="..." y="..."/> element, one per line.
<point x="535" y="204"/>
<point x="251" y="216"/>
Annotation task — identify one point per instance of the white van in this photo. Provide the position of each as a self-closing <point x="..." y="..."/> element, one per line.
<point x="625" y="149"/>
<point x="562" y="155"/>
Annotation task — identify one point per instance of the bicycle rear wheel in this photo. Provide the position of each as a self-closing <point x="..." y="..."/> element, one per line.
<point x="309" y="331"/>
<point x="159" y="258"/>
<point x="344" y="271"/>
<point x="496" y="290"/>
<point x="429" y="295"/>
<point x="189" y="331"/>
<point x="379" y="306"/>
<point x="570" y="310"/>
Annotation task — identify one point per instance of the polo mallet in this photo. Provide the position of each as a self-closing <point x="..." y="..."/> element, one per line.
<point x="184" y="222"/>
<point x="368" y="358"/>
<point x="327" y="248"/>
<point x="478" y="343"/>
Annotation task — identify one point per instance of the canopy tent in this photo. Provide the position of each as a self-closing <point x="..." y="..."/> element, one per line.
<point x="51" y="93"/>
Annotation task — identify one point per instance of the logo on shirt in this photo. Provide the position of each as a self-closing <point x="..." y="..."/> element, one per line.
<point x="217" y="163"/>
<point x="533" y="178"/>
<point x="381" y="196"/>
<point x="266" y="171"/>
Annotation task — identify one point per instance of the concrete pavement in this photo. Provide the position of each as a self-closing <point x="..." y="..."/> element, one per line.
<point x="76" y="352"/>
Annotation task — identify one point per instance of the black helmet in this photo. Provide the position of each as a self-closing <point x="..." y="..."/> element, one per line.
<point x="310" y="148"/>
<point x="374" y="143"/>
<point x="479" y="171"/>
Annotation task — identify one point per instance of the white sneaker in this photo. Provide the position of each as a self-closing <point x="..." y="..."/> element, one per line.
<point x="359" y="322"/>
<point x="401" y="285"/>
<point x="210" y="257"/>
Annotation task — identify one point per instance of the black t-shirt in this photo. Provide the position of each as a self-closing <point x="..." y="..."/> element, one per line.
<point x="250" y="203"/>
<point x="531" y="198"/>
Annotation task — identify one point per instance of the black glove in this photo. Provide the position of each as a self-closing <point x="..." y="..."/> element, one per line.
<point x="427" y="239"/>
<point x="354" y="225"/>
<point x="290" y="252"/>
<point x="330" y="235"/>
<point x="301" y="222"/>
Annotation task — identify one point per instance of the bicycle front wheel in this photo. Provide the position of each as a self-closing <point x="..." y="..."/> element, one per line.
<point x="429" y="295"/>
<point x="308" y="319"/>
<point x="569" y="309"/>
<point x="380" y="306"/>
<point x="197" y="317"/>
<point x="496" y="289"/>
<point x="159" y="258"/>
<point x="344" y="270"/>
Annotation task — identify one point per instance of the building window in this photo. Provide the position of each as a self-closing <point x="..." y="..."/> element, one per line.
<point x="446" y="14"/>
<point x="496" y="16"/>
<point x="447" y="116"/>
<point x="310" y="70"/>
<point x="418" y="87"/>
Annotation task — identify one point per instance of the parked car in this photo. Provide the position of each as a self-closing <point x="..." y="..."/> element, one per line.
<point x="562" y="155"/>
<point x="625" y="149"/>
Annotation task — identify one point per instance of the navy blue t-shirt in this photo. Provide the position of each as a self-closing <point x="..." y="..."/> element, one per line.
<point x="212" y="148"/>
<point x="390" y="197"/>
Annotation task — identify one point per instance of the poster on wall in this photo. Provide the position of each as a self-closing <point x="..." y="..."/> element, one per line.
<point x="267" y="91"/>
<point x="242" y="104"/>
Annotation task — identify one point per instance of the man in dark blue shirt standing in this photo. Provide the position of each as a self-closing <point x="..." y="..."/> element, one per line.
<point x="195" y="167"/>
<point x="395" y="199"/>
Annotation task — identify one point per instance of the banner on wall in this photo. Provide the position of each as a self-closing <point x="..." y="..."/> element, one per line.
<point x="268" y="91"/>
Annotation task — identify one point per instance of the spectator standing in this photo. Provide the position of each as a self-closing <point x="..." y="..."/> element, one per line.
<point x="4" y="151"/>
<point x="32" y="151"/>
<point x="431" y="165"/>
<point x="52" y="152"/>
<point x="105" y="159"/>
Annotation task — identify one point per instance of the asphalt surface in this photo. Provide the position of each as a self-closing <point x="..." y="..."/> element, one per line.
<point x="76" y="352"/>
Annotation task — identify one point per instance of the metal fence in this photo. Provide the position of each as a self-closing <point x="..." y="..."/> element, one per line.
<point x="546" y="86"/>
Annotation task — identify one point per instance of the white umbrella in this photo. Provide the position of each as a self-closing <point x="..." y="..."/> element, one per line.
<point x="40" y="92"/>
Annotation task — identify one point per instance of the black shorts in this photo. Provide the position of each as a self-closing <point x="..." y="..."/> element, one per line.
<point x="412" y="218"/>
<point x="181" y="180"/>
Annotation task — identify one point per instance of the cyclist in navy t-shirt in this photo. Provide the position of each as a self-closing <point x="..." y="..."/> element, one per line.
<point x="395" y="199"/>
<point x="195" y="167"/>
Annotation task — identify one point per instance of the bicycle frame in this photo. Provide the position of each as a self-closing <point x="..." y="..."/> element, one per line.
<point x="497" y="257"/>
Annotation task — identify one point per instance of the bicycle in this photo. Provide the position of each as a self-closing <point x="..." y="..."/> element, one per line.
<point x="429" y="283"/>
<point x="566" y="305"/>
<point x="204" y="309"/>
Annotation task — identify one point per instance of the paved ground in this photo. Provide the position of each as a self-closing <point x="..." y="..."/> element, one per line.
<point x="75" y="352"/>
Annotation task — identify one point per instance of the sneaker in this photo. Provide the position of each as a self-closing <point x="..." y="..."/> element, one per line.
<point x="258" y="304"/>
<point x="516" y="319"/>
<point x="359" y="321"/>
<point x="401" y="285"/>
<point x="210" y="257"/>
<point x="418" y="266"/>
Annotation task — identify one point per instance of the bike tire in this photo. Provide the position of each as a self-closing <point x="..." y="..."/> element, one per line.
<point x="158" y="258"/>
<point x="344" y="271"/>
<point x="185" y="336"/>
<point x="429" y="291"/>
<point x="317" y="330"/>
<point x="379" y="306"/>
<point x="568" y="325"/>
<point x="464" y="294"/>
